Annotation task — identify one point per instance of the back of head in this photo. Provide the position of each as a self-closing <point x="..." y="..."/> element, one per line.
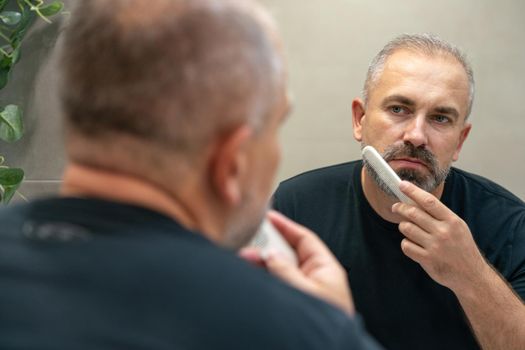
<point x="425" y="44"/>
<point x="165" y="74"/>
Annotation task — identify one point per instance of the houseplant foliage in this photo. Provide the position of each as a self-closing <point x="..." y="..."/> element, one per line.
<point x="16" y="17"/>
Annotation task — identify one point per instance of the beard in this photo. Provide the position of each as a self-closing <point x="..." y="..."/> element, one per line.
<point x="428" y="182"/>
<point x="243" y="227"/>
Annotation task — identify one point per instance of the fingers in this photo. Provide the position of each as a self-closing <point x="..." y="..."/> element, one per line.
<point x="286" y="271"/>
<point x="318" y="272"/>
<point x="291" y="231"/>
<point x="415" y="215"/>
<point x="413" y="251"/>
<point x="425" y="200"/>
<point x="253" y="256"/>
<point x="324" y="281"/>
<point x="302" y="240"/>
<point x="429" y="214"/>
<point x="415" y="234"/>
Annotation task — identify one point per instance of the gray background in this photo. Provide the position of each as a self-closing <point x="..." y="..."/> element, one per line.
<point x="329" y="44"/>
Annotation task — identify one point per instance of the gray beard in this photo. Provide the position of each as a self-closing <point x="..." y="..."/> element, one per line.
<point x="244" y="227"/>
<point x="428" y="182"/>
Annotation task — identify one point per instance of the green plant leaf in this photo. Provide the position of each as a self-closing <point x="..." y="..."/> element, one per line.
<point x="10" y="180"/>
<point x="28" y="18"/>
<point x="9" y="192"/>
<point x="11" y="18"/>
<point x="6" y="63"/>
<point x="5" y="56"/>
<point x="4" y="77"/>
<point x="52" y="8"/>
<point x="11" y="126"/>
<point x="11" y="176"/>
<point x="2" y="4"/>
<point x="15" y="56"/>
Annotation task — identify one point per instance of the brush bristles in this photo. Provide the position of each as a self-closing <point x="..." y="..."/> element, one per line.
<point x="384" y="172"/>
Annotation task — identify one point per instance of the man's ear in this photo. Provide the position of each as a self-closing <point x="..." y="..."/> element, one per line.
<point x="229" y="164"/>
<point x="358" y="113"/>
<point x="462" y="137"/>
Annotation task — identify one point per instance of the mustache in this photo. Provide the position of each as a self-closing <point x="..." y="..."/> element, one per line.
<point x="411" y="151"/>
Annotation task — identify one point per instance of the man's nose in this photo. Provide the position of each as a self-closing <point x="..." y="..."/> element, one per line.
<point x="416" y="132"/>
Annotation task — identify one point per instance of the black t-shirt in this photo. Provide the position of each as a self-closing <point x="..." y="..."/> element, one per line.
<point x="91" y="274"/>
<point x="401" y="305"/>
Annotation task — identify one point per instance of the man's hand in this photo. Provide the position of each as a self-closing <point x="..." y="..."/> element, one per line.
<point x="318" y="273"/>
<point x="438" y="240"/>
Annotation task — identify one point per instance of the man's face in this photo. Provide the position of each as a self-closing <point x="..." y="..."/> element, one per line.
<point x="264" y="158"/>
<point x="415" y="116"/>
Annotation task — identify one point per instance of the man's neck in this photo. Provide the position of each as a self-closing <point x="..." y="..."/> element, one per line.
<point x="85" y="181"/>
<point x="380" y="201"/>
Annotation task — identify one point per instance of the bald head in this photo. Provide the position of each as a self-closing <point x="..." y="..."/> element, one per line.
<point x="170" y="73"/>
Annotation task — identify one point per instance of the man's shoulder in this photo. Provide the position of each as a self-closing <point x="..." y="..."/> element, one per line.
<point x="479" y="187"/>
<point x="170" y="270"/>
<point x="12" y="217"/>
<point x="333" y="175"/>
<point x="307" y="196"/>
<point x="495" y="216"/>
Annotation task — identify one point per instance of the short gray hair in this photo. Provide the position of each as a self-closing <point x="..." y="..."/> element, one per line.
<point x="427" y="44"/>
<point x="176" y="75"/>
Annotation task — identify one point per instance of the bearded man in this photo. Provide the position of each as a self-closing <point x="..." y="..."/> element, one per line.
<point x="449" y="271"/>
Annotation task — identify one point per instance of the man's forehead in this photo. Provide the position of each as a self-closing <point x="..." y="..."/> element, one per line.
<point x="408" y="73"/>
<point x="409" y="58"/>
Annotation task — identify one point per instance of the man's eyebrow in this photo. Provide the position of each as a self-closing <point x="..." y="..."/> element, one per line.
<point x="399" y="99"/>
<point x="447" y="110"/>
<point x="451" y="111"/>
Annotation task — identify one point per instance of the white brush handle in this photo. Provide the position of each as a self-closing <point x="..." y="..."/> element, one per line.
<point x="269" y="239"/>
<point x="385" y="172"/>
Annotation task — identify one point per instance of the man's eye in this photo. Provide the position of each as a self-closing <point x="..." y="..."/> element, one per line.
<point x="441" y="119"/>
<point x="397" y="109"/>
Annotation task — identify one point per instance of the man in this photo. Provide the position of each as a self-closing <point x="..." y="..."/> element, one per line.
<point x="172" y="109"/>
<point x="451" y="268"/>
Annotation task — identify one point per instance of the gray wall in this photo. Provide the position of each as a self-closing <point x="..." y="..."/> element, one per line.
<point x="329" y="44"/>
<point x="33" y="87"/>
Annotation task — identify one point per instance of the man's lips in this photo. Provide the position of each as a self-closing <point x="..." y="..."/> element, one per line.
<point x="409" y="163"/>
